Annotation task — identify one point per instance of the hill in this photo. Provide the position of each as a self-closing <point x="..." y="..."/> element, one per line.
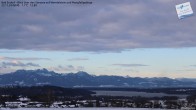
<point x="83" y="79"/>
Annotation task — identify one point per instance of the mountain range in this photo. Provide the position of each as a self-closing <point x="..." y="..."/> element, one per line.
<point x="83" y="79"/>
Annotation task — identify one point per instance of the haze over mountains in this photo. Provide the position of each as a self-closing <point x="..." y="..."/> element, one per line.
<point x="83" y="79"/>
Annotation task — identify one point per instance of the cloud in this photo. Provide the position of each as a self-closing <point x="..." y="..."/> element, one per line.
<point x="78" y="59"/>
<point x="67" y="68"/>
<point x="104" y="26"/>
<point x="193" y="65"/>
<point x="11" y="51"/>
<point x="129" y="65"/>
<point x="5" y="70"/>
<point x="33" y="28"/>
<point x="18" y="64"/>
<point x="14" y="58"/>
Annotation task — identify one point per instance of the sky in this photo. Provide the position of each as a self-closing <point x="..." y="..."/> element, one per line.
<point x="136" y="38"/>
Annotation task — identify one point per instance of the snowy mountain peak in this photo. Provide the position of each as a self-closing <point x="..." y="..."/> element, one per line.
<point x="82" y="73"/>
<point x="81" y="78"/>
<point x="42" y="70"/>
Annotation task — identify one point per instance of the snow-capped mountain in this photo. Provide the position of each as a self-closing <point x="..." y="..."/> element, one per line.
<point x="83" y="79"/>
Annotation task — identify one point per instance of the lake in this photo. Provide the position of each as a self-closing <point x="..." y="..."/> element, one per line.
<point x="133" y="93"/>
<point x="80" y="109"/>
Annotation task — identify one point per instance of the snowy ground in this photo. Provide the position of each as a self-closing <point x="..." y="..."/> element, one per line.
<point x="79" y="109"/>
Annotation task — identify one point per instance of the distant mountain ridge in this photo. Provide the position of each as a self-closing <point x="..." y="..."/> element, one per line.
<point x="83" y="79"/>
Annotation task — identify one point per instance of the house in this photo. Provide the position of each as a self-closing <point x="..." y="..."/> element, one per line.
<point x="56" y="104"/>
<point x="12" y="104"/>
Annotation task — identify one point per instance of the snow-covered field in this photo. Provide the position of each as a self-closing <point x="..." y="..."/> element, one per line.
<point x="79" y="109"/>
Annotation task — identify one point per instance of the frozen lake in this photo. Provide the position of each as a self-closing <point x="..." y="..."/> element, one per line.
<point x="132" y="93"/>
<point x="79" y="109"/>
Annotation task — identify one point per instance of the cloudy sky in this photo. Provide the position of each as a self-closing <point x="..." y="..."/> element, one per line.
<point x="139" y="38"/>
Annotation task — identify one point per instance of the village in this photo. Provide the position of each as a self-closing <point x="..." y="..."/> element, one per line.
<point x="75" y="102"/>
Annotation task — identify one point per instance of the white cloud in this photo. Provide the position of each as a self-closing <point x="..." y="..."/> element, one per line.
<point x="130" y="65"/>
<point x="78" y="59"/>
<point x="67" y="68"/>
<point x="15" y="63"/>
<point x="17" y="58"/>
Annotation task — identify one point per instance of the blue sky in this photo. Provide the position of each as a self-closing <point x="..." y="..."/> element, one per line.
<point x="113" y="37"/>
<point x="152" y="62"/>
